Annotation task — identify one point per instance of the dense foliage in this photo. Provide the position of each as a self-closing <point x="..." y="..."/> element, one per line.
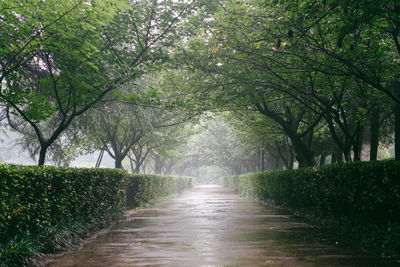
<point x="59" y="59"/>
<point x="362" y="197"/>
<point x="316" y="71"/>
<point x="45" y="208"/>
<point x="33" y="198"/>
<point x="145" y="188"/>
<point x="36" y="200"/>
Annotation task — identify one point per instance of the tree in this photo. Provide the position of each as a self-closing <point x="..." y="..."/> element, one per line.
<point x="357" y="39"/>
<point x="290" y="66"/>
<point x="219" y="145"/>
<point x="46" y="67"/>
<point x="233" y="72"/>
<point x="138" y="154"/>
<point x="168" y="145"/>
<point x="115" y="127"/>
<point x="259" y="132"/>
<point x="64" y="65"/>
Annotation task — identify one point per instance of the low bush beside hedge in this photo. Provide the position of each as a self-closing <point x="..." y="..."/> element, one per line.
<point x="142" y="189"/>
<point x="361" y="198"/>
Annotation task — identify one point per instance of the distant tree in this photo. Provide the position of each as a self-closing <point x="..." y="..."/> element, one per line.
<point x="115" y="128"/>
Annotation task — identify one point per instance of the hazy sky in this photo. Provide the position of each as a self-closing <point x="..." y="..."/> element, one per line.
<point x="11" y="153"/>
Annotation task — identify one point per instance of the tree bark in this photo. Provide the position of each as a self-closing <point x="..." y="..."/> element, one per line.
<point x="137" y="168"/>
<point x="291" y="160"/>
<point x="138" y="163"/>
<point x="262" y="160"/>
<point x="42" y="154"/>
<point x="397" y="131"/>
<point x="132" y="168"/>
<point x="322" y="159"/>
<point x="276" y="163"/>
<point x="99" y="159"/>
<point x="334" y="157"/>
<point x="340" y="156"/>
<point x="157" y="164"/>
<point x="357" y="148"/>
<point x="279" y="163"/>
<point x="374" y="141"/>
<point x="118" y="162"/>
<point x="304" y="155"/>
<point x="396" y="110"/>
<point x="286" y="158"/>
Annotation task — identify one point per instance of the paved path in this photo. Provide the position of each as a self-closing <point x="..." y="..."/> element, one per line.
<point x="212" y="226"/>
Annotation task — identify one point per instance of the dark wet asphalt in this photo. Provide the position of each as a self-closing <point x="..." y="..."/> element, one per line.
<point x="212" y="226"/>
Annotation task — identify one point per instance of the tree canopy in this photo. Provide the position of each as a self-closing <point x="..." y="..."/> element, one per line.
<point x="296" y="80"/>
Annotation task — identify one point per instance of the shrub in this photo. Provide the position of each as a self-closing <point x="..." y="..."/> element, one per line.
<point x="35" y="199"/>
<point x="343" y="193"/>
<point x="43" y="209"/>
<point x="145" y="188"/>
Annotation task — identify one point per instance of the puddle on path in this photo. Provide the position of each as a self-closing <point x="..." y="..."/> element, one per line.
<point x="212" y="226"/>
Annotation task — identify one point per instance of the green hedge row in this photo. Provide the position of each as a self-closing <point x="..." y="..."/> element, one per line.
<point x="145" y="188"/>
<point x="33" y="198"/>
<point x="350" y="194"/>
<point x="43" y="209"/>
<point x="39" y="203"/>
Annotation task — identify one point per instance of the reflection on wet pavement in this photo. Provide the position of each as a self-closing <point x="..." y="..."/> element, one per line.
<point x="212" y="226"/>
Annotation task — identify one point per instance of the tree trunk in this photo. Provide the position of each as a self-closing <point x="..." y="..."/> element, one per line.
<point x="138" y="163"/>
<point x="157" y="164"/>
<point x="357" y="148"/>
<point x="337" y="156"/>
<point x="340" y="156"/>
<point x="262" y="160"/>
<point x="397" y="131"/>
<point x="132" y="168"/>
<point x="304" y="155"/>
<point x="42" y="154"/>
<point x="396" y="110"/>
<point x="99" y="159"/>
<point x="276" y="163"/>
<point x="334" y="157"/>
<point x="284" y="157"/>
<point x="118" y="162"/>
<point x="291" y="160"/>
<point x="280" y="164"/>
<point x="322" y="159"/>
<point x="346" y="151"/>
<point x="267" y="163"/>
<point x="137" y="168"/>
<point x="286" y="162"/>
<point x="373" y="154"/>
<point x="144" y="169"/>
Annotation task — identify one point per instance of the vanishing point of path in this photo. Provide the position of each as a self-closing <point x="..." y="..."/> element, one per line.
<point x="212" y="226"/>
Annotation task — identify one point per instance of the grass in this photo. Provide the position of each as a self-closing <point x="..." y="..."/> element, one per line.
<point x="29" y="250"/>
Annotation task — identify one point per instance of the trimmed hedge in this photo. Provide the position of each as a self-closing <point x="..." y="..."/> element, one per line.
<point x="142" y="189"/>
<point x="43" y="209"/>
<point x="362" y="198"/>
<point x="35" y="200"/>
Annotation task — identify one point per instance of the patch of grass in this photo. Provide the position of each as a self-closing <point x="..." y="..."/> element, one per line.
<point x="29" y="250"/>
<point x="18" y="252"/>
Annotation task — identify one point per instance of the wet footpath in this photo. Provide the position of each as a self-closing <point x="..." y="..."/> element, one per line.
<point x="212" y="226"/>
